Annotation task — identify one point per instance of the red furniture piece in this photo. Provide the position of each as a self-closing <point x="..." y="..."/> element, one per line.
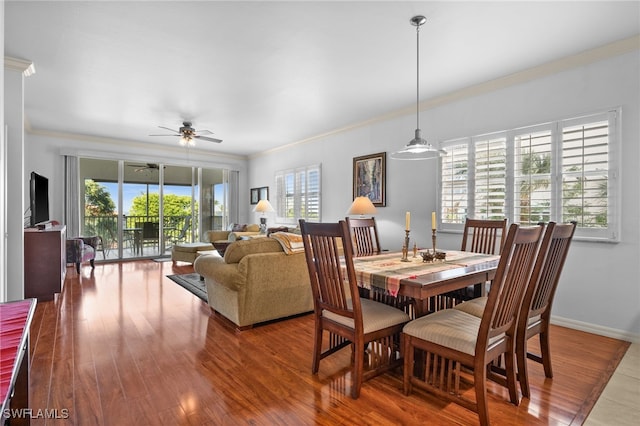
<point x="15" y="322"/>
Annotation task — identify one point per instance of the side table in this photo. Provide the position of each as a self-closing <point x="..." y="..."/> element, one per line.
<point x="221" y="246"/>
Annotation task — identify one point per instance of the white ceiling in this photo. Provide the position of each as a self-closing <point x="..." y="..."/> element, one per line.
<point x="265" y="74"/>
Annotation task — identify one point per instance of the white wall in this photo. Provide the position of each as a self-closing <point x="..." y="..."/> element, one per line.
<point x="599" y="288"/>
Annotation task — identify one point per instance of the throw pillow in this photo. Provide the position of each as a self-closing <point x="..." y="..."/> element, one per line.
<point x="252" y="228"/>
<point x="238" y="228"/>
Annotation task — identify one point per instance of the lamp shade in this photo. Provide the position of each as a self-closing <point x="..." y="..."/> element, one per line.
<point x="263" y="206"/>
<point x="362" y="206"/>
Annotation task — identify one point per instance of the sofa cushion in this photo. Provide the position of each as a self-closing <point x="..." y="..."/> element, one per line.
<point x="239" y="249"/>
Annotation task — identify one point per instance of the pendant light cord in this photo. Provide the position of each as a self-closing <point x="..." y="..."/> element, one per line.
<point x="417" y="76"/>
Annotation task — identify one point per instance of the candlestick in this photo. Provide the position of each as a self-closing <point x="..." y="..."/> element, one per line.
<point x="405" y="247"/>
<point x="415" y="249"/>
<point x="433" y="239"/>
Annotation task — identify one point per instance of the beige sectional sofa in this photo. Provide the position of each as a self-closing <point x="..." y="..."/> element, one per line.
<point x="256" y="281"/>
<point x="248" y="230"/>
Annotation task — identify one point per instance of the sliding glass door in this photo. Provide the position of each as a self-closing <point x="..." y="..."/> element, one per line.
<point x="142" y="209"/>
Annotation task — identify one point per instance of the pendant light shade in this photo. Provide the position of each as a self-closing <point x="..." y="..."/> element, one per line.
<point x="418" y="148"/>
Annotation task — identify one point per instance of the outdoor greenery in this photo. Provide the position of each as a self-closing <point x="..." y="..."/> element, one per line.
<point x="174" y="205"/>
<point x="97" y="200"/>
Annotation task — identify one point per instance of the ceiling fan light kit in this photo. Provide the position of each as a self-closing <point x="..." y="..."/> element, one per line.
<point x="418" y="148"/>
<point x="187" y="134"/>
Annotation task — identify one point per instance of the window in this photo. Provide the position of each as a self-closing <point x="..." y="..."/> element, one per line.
<point x="298" y="194"/>
<point x="558" y="171"/>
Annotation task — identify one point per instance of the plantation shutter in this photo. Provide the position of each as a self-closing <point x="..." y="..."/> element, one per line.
<point x="532" y="183"/>
<point x="454" y="188"/>
<point x="298" y="194"/>
<point x="585" y="171"/>
<point x="490" y="178"/>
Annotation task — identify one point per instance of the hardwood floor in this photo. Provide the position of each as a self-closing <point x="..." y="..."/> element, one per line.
<point x="125" y="345"/>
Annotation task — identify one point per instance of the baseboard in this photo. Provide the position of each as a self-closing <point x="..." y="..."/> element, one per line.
<point x="596" y="329"/>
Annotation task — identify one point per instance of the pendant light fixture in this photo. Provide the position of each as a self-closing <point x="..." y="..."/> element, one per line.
<point x="418" y="148"/>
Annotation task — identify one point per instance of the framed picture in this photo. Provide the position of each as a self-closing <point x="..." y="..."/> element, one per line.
<point x="258" y="194"/>
<point x="263" y="193"/>
<point x="369" y="177"/>
<point x="255" y="195"/>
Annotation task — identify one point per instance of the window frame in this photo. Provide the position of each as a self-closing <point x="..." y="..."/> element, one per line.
<point x="610" y="233"/>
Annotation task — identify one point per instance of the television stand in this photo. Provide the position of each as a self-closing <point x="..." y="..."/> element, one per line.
<point x="45" y="261"/>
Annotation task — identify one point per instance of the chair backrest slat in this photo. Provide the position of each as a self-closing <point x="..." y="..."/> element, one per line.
<point x="364" y="236"/>
<point x="486" y="236"/>
<point x="332" y="289"/>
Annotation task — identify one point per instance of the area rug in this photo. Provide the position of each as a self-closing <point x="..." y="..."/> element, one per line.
<point x="191" y="282"/>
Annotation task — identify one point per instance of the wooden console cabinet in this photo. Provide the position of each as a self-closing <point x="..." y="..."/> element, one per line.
<point x="45" y="262"/>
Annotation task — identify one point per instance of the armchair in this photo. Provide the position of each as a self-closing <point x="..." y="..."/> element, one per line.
<point x="81" y="249"/>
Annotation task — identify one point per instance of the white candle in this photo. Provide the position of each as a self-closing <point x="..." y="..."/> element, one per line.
<point x="433" y="220"/>
<point x="407" y="221"/>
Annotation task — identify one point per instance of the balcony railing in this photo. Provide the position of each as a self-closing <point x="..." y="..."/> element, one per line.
<point x="177" y="229"/>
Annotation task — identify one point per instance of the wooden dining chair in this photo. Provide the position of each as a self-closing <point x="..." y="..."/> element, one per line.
<point x="365" y="240"/>
<point x="535" y="312"/>
<point x="451" y="338"/>
<point x="364" y="235"/>
<point x="484" y="236"/>
<point x="339" y="310"/>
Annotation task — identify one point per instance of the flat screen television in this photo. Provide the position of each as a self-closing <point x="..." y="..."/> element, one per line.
<point x="39" y="198"/>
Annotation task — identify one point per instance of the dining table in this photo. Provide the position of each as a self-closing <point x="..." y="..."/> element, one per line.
<point x="423" y="280"/>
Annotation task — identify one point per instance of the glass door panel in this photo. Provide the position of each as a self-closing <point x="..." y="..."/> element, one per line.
<point x="213" y="202"/>
<point x="141" y="209"/>
<point x="179" y="192"/>
<point x="99" y="212"/>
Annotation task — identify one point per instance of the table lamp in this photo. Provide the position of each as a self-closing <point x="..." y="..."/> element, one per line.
<point x="263" y="206"/>
<point x="362" y="206"/>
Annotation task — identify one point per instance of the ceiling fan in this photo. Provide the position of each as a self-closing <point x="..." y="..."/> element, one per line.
<point x="144" y="167"/>
<point x="187" y="134"/>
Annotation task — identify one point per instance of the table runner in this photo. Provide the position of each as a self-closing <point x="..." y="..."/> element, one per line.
<point x="385" y="271"/>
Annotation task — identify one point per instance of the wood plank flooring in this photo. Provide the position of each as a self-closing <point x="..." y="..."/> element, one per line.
<point x="124" y="345"/>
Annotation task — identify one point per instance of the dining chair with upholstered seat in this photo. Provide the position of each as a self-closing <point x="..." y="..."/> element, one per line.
<point x="450" y="339"/>
<point x="350" y="321"/>
<point x="364" y="235"/>
<point x="484" y="236"/>
<point x="535" y="313"/>
<point x="365" y="240"/>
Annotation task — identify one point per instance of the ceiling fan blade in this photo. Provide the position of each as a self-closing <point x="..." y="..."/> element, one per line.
<point x="174" y="135"/>
<point x="171" y="130"/>
<point x="205" y="132"/>
<point x="204" y="138"/>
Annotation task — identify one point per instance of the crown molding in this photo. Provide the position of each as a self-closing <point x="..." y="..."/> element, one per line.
<point x="27" y="68"/>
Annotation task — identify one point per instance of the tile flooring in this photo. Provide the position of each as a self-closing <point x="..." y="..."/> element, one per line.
<point x="619" y="404"/>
